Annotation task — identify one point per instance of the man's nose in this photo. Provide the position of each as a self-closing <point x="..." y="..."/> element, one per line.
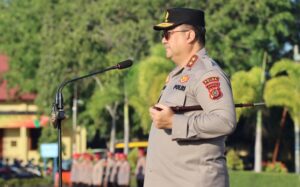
<point x="163" y="40"/>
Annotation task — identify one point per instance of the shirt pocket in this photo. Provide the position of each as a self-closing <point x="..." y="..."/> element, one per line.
<point x="176" y="98"/>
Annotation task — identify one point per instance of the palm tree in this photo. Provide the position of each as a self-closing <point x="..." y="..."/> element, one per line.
<point x="250" y="83"/>
<point x="146" y="81"/>
<point x="107" y="98"/>
<point x="284" y="90"/>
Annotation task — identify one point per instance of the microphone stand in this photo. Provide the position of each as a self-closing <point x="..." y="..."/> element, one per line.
<point x="58" y="108"/>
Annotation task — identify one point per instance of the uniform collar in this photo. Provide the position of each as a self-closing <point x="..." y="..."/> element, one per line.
<point x="202" y="52"/>
<point x="193" y="59"/>
<point x="177" y="71"/>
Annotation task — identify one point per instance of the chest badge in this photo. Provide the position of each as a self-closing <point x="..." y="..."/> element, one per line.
<point x="184" y="79"/>
<point x="213" y="86"/>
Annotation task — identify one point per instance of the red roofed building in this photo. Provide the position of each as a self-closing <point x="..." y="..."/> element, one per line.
<point x="19" y="123"/>
<point x="20" y="126"/>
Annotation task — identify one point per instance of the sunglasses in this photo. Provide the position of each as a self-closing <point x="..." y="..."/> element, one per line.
<point x="167" y="34"/>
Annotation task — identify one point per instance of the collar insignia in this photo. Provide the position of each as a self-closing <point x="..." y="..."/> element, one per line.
<point x="192" y="61"/>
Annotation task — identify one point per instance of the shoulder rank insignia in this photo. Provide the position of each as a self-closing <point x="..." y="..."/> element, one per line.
<point x="184" y="79"/>
<point x="213" y="86"/>
<point x="192" y="61"/>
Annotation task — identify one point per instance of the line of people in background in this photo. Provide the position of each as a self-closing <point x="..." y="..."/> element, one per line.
<point x="113" y="171"/>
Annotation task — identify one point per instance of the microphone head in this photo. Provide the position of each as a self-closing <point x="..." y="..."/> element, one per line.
<point x="124" y="64"/>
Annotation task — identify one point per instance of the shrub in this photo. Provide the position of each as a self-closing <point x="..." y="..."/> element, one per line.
<point x="276" y="167"/>
<point x="35" y="182"/>
<point x="233" y="161"/>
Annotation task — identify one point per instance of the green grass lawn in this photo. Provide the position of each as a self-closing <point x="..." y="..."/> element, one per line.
<point x="251" y="179"/>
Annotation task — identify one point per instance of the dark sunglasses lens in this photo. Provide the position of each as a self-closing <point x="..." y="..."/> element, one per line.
<point x="165" y="34"/>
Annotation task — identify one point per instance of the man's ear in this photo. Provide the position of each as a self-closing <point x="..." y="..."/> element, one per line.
<point x="191" y="36"/>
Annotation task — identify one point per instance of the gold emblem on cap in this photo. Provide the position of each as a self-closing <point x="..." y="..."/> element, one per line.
<point x="167" y="16"/>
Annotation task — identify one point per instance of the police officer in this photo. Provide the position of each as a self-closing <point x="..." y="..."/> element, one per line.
<point x="98" y="170"/>
<point x="123" y="175"/>
<point x="87" y="169"/>
<point x="140" y="168"/>
<point x="115" y="170"/>
<point x="75" y="170"/>
<point x="109" y="164"/>
<point x="187" y="149"/>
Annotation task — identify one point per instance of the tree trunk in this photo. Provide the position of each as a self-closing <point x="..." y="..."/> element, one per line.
<point x="113" y="113"/>
<point x="258" y="134"/>
<point x="277" y="144"/>
<point x="258" y="142"/>
<point x="126" y="126"/>
<point x="112" y="135"/>
<point x="297" y="146"/>
<point x="74" y="120"/>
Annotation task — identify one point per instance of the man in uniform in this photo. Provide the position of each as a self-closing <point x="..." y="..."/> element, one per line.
<point x="187" y="149"/>
<point x="98" y="170"/>
<point x="87" y="169"/>
<point x="110" y="162"/>
<point x="140" y="168"/>
<point x="115" y="170"/>
<point x="75" y="170"/>
<point x="123" y="174"/>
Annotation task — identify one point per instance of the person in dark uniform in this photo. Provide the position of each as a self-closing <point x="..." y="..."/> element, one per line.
<point x="188" y="149"/>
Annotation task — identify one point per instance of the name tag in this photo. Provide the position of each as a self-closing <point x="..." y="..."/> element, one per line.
<point x="179" y="87"/>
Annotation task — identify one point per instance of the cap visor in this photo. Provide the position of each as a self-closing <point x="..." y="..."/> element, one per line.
<point x="163" y="26"/>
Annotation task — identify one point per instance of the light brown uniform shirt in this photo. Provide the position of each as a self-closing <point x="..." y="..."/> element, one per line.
<point x="109" y="167"/>
<point x="140" y="168"/>
<point x="191" y="154"/>
<point x="87" y="169"/>
<point x="98" y="173"/>
<point x="75" y="171"/>
<point x="124" y="173"/>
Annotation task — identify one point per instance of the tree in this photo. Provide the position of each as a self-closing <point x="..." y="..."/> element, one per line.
<point x="146" y="81"/>
<point x="238" y="31"/>
<point x="283" y="90"/>
<point x="251" y="85"/>
<point x="245" y="88"/>
<point x="20" y="26"/>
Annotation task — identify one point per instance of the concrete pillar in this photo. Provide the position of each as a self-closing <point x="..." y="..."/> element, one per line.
<point x="23" y="143"/>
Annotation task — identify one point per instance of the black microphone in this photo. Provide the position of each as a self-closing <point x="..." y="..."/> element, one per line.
<point x="124" y="64"/>
<point x="120" y="65"/>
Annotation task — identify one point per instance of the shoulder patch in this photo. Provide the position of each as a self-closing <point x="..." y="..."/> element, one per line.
<point x="213" y="86"/>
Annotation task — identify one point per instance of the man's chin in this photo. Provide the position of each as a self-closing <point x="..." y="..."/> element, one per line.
<point x="168" y="56"/>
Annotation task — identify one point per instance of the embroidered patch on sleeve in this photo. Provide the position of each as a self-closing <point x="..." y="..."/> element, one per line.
<point x="213" y="86"/>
